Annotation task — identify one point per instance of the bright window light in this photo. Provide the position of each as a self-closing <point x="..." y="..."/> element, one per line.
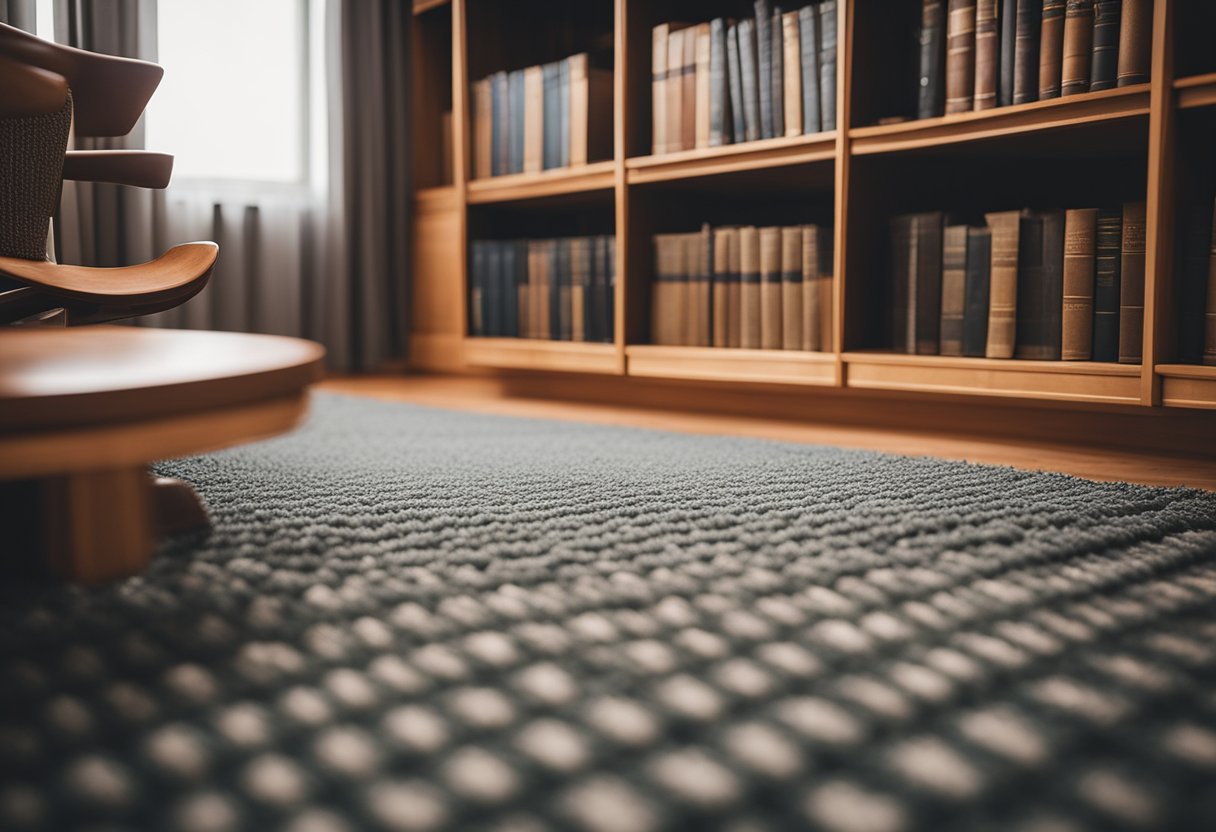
<point x="233" y="103"/>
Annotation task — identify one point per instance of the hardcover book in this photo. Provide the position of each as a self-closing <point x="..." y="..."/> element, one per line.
<point x="534" y="120"/>
<point x="563" y="113"/>
<point x="483" y="117"/>
<point x="808" y="44"/>
<point x="975" y="292"/>
<point x="1003" y="290"/>
<point x="552" y="116"/>
<point x="500" y="136"/>
<point x="764" y="65"/>
<point x="812" y="248"/>
<point x="987" y="54"/>
<point x="1104" y="63"/>
<point x="1107" y="268"/>
<point x="735" y="74"/>
<point x="960" y="56"/>
<point x="749" y="278"/>
<point x="658" y="88"/>
<point x="792" y="86"/>
<point x="703" y="46"/>
<point x="791" y="287"/>
<point x="1080" y="253"/>
<point x="734" y="319"/>
<point x="770" y="288"/>
<point x="515" y="121"/>
<point x="675" y="89"/>
<point x="701" y="255"/>
<point x="1026" y="51"/>
<point x="688" y="95"/>
<point x="719" y="94"/>
<point x="721" y="284"/>
<point x="827" y="63"/>
<point x="750" y="80"/>
<point x="1078" y="46"/>
<point x="954" y="280"/>
<point x="1051" y="48"/>
<point x="931" y="99"/>
<point x="1131" y="284"/>
<point x="777" y="72"/>
<point x="1135" y="41"/>
<point x="1007" y="25"/>
<point x="1040" y="286"/>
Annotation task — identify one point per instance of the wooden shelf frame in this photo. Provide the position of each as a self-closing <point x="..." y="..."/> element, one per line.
<point x="442" y="220"/>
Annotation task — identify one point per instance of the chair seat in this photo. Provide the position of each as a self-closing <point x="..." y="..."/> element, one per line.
<point x="170" y="276"/>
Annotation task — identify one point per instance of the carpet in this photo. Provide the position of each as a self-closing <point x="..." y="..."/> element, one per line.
<point x="411" y="619"/>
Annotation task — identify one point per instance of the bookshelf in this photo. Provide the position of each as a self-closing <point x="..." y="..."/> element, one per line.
<point x="1124" y="143"/>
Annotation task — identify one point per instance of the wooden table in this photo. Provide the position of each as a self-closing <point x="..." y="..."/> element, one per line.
<point x="83" y="411"/>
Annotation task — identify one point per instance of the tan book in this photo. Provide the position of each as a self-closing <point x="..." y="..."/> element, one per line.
<point x="701" y="52"/>
<point x="960" y="56"/>
<point x="721" y="286"/>
<point x="663" y="289"/>
<point x="1051" y="48"/>
<point x="590" y="111"/>
<point x="1080" y="251"/>
<point x="675" y="90"/>
<point x="696" y="304"/>
<point x="792" y="64"/>
<point x="580" y="277"/>
<point x="811" y="254"/>
<point x="734" y="290"/>
<point x="749" y="278"/>
<point x="1209" y="328"/>
<point x="770" y="289"/>
<point x="1131" y="284"/>
<point x="826" y="315"/>
<point x="534" y="120"/>
<point x="1078" y="47"/>
<point x="658" y="88"/>
<point x="688" y="93"/>
<point x="1135" y="42"/>
<point x="483" y="114"/>
<point x="954" y="276"/>
<point x="987" y="54"/>
<point x="579" y="103"/>
<point x="540" y="290"/>
<point x="1003" y="293"/>
<point x="791" y="287"/>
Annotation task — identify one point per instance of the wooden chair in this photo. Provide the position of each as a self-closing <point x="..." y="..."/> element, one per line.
<point x="49" y="90"/>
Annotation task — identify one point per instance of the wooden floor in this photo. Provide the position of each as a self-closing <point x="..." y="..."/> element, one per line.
<point x="492" y="395"/>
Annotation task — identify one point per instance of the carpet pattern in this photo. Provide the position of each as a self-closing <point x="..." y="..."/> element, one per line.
<point x="412" y="619"/>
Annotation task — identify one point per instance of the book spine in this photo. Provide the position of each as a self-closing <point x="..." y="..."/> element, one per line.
<point x="1030" y="324"/>
<point x="675" y="90"/>
<point x="791" y="288"/>
<point x="931" y="100"/>
<point x="565" y="284"/>
<point x="749" y="280"/>
<point x="658" y="88"/>
<point x="812" y="335"/>
<point x="534" y="119"/>
<point x="733" y="297"/>
<point x="954" y="280"/>
<point x="1026" y="51"/>
<point x="764" y="65"/>
<point x="793" y="73"/>
<point x="1209" y="326"/>
<point x="735" y="75"/>
<point x="499" y="276"/>
<point x="1107" y="277"/>
<point x="770" y="288"/>
<point x="1051" y="288"/>
<point x="578" y="109"/>
<point x="720" y="337"/>
<point x="719" y="91"/>
<point x="702" y="306"/>
<point x="552" y="116"/>
<point x="777" y="72"/>
<point x="483" y="148"/>
<point x="1007" y="24"/>
<point x="477" y="280"/>
<point x="928" y="280"/>
<point x="506" y="290"/>
<point x="500" y="141"/>
<point x="750" y="77"/>
<point x="827" y="63"/>
<point x="987" y="65"/>
<point x="903" y="243"/>
<point x="960" y="56"/>
<point x="1104" y="65"/>
<point x="660" y="291"/>
<point x="1131" y="284"/>
<point x="515" y="121"/>
<point x="608" y="307"/>
<point x="808" y="43"/>
<point x="702" y="85"/>
<point x="523" y="288"/>
<point x="1078" y="46"/>
<point x="563" y="113"/>
<point x="579" y="261"/>
<point x="688" y="95"/>
<point x="1051" y="48"/>
<point x="1003" y="290"/>
<point x="1135" y="39"/>
<point x="975" y="293"/>
<point x="1077" y="315"/>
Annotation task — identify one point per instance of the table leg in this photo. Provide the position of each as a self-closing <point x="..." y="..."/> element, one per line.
<point x="97" y="525"/>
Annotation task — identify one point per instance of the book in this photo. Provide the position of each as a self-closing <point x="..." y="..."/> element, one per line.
<point x="590" y="111"/>
<point x="791" y="287"/>
<point x="827" y="63"/>
<point x="477" y="278"/>
<point x="1078" y="46"/>
<point x="552" y="117"/>
<point x="808" y="44"/>
<point x="688" y="94"/>
<point x="675" y="89"/>
<point x="764" y="65"/>
<point x="1077" y="315"/>
<point x="960" y="56"/>
<point x="1026" y="51"/>
<point x="734" y="268"/>
<point x="534" y="120"/>
<point x="1040" y="286"/>
<point x="720" y="337"/>
<point x="719" y="85"/>
<point x="903" y="267"/>
<point x="954" y="280"/>
<point x="1007" y="26"/>
<point x="536" y="253"/>
<point x="734" y="71"/>
<point x="580" y="286"/>
<point x="792" y="84"/>
<point x="664" y="290"/>
<point x="1104" y="62"/>
<point x="750" y="80"/>
<point x="658" y="88"/>
<point x="701" y="288"/>
<point x="987" y="63"/>
<point x="931" y="99"/>
<point x="523" y="289"/>
<point x="1135" y="40"/>
<point x="770" y="289"/>
<point x="563" y="111"/>
<point x="560" y="284"/>
<point x="917" y="281"/>
<point x="1131" y="283"/>
<point x="1107" y="274"/>
<point x="812" y="330"/>
<point x="702" y="46"/>
<point x="607" y="306"/>
<point x="1003" y="288"/>
<point x="826" y="327"/>
<point x="975" y="292"/>
<point x="1051" y="48"/>
<point x="500" y="160"/>
<point x="1194" y="271"/>
<point x="513" y="267"/>
<point x="483" y="148"/>
<point x="515" y="121"/>
<point x="749" y="292"/>
<point x="777" y="72"/>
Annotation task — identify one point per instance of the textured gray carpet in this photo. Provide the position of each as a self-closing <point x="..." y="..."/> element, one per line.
<point x="412" y="619"/>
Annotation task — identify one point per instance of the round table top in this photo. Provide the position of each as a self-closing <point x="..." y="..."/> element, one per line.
<point x="53" y="378"/>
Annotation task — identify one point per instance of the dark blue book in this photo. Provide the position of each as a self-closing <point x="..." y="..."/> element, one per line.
<point x="777" y="72"/>
<point x="552" y="115"/>
<point x="827" y="63"/>
<point x="734" y="71"/>
<point x="515" y="120"/>
<point x="808" y="41"/>
<point x="563" y="106"/>
<point x="764" y="65"/>
<point x="749" y="73"/>
<point x="500" y="152"/>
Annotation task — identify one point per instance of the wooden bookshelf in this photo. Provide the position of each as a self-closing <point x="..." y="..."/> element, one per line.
<point x="1114" y="144"/>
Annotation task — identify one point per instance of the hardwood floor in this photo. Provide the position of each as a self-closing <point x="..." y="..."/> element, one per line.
<point x="490" y="394"/>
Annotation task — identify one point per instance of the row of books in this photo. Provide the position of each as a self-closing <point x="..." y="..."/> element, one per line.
<point x="1197" y="284"/>
<point x="557" y="289"/>
<point x="755" y="288"/>
<point x="1048" y="285"/>
<point x="552" y="116"/>
<point x="725" y="82"/>
<point x="988" y="53"/>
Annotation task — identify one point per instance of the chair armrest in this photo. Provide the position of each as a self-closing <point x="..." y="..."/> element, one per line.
<point x="140" y="168"/>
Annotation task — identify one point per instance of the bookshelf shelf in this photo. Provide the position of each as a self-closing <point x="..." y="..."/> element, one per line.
<point x="1196" y="91"/>
<point x="737" y="365"/>
<point x="1081" y="381"/>
<point x="763" y="154"/>
<point x="596" y="176"/>
<point x="1037" y="116"/>
<point x="1188" y="385"/>
<point x="421" y="6"/>
<point x="528" y="354"/>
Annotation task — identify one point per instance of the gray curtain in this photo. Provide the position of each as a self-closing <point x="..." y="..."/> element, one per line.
<point x="19" y="13"/>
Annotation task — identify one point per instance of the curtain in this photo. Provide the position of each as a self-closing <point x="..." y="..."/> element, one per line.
<point x="19" y="13"/>
<point x="329" y="262"/>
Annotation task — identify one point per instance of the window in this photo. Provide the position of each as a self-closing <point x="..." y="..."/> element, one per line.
<point x="233" y="104"/>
